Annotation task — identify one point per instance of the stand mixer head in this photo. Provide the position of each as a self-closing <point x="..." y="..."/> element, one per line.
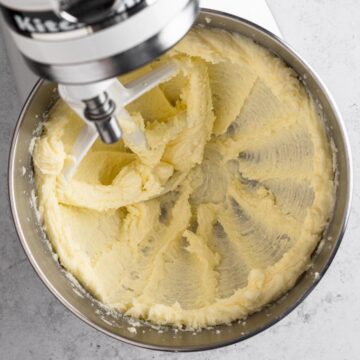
<point x="84" y="44"/>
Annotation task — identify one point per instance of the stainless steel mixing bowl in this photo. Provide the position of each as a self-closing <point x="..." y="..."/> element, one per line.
<point x="32" y="237"/>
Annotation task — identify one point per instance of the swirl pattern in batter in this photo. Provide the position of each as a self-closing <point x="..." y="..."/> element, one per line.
<point x="219" y="214"/>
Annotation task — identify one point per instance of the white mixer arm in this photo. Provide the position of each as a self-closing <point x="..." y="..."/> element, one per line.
<point x="122" y="95"/>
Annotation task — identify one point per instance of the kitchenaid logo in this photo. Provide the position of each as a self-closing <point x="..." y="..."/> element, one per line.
<point x="37" y="25"/>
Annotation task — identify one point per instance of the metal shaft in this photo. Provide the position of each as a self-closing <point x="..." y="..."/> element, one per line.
<point x="100" y="110"/>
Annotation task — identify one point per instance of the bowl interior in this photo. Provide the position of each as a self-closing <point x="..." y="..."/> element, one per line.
<point x="38" y="250"/>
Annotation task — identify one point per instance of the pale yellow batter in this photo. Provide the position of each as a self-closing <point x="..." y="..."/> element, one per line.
<point x="220" y="214"/>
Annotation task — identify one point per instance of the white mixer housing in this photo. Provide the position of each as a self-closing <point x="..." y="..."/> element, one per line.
<point x="82" y="48"/>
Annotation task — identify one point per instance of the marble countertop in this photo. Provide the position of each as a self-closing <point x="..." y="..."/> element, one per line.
<point x="34" y="325"/>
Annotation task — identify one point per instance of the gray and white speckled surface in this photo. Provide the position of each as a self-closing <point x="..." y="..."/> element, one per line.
<point x="34" y="325"/>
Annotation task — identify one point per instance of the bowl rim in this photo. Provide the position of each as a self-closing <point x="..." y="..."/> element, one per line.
<point x="289" y="309"/>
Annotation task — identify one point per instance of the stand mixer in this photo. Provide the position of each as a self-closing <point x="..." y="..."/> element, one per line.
<point x="83" y="45"/>
<point x="20" y="187"/>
